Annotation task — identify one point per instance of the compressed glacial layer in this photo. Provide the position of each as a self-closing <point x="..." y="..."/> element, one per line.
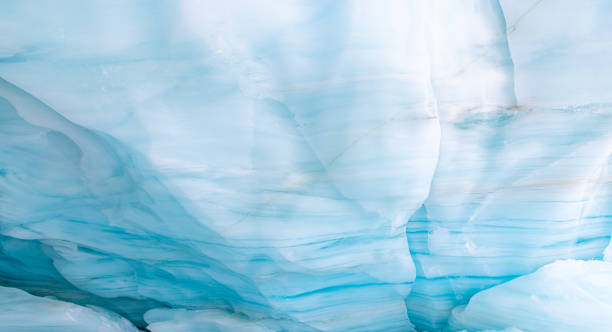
<point x="303" y="166"/>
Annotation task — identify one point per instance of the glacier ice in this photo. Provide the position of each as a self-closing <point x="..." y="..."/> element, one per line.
<point x="181" y="320"/>
<point x="22" y="312"/>
<point x="306" y="165"/>
<point x="566" y="295"/>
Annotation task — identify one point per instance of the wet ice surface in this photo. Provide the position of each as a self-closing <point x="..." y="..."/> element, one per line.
<point x="306" y="166"/>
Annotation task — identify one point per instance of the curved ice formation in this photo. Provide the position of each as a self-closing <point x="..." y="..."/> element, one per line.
<point x="299" y="165"/>
<point x="269" y="222"/>
<point x="22" y="312"/>
<point x="566" y="295"/>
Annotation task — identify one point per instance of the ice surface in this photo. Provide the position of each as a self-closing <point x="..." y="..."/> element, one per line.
<point x="303" y="165"/>
<point x="22" y="312"/>
<point x="523" y="176"/>
<point x="567" y="295"/>
<point x="181" y="320"/>
<point x="608" y="253"/>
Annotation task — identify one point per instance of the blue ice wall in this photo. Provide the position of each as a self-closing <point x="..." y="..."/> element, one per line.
<point x="303" y="165"/>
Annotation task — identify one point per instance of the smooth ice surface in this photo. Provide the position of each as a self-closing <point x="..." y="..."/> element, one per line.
<point x="22" y="312"/>
<point x="300" y="165"/>
<point x="181" y="320"/>
<point x="567" y="295"/>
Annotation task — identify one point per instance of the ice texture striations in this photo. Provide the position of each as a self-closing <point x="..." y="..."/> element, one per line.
<point x="306" y="165"/>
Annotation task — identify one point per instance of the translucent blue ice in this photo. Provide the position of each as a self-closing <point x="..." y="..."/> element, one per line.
<point x="303" y="165"/>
